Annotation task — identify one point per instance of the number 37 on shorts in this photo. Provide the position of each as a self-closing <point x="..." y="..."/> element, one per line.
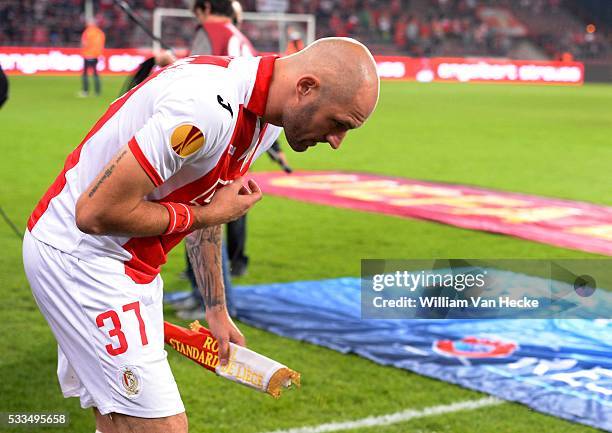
<point x="112" y="321"/>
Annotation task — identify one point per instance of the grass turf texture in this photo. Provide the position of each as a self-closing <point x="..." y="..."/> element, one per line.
<point x="551" y="141"/>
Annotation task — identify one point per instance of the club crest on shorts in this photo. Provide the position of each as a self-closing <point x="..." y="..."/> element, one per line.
<point x="186" y="139"/>
<point x="130" y="381"/>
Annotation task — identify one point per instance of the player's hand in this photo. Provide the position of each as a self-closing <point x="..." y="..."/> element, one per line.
<point x="224" y="330"/>
<point x="164" y="58"/>
<point x="230" y="202"/>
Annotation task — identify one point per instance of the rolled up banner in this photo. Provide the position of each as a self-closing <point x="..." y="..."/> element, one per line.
<point x="245" y="366"/>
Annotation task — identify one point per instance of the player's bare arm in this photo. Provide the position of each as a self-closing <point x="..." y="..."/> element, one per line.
<point x="114" y="202"/>
<point x="204" y="250"/>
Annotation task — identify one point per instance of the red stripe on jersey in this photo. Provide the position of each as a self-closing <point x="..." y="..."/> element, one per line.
<point x="73" y="158"/>
<point x="144" y="163"/>
<point x="145" y="251"/>
<point x="259" y="95"/>
<point x="254" y="151"/>
<point x="222" y="61"/>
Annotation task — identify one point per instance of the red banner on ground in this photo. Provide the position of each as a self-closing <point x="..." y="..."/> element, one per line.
<point x="563" y="223"/>
<point x="35" y="60"/>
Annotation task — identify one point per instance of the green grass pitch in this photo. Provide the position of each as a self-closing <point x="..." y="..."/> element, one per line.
<point x="552" y="141"/>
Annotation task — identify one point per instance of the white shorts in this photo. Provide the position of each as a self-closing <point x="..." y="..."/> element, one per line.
<point x="110" y="332"/>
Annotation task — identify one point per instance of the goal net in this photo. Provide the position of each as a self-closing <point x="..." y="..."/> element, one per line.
<point x="269" y="32"/>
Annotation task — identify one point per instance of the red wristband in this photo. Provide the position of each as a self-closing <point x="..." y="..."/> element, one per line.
<point x="181" y="217"/>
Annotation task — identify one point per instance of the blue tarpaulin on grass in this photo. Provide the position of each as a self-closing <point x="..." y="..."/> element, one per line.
<point x="559" y="367"/>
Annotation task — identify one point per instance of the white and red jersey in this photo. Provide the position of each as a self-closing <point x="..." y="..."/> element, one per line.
<point x="220" y="38"/>
<point x="193" y="127"/>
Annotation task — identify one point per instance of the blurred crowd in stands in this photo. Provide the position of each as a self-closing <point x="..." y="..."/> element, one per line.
<point x="61" y="22"/>
<point x="408" y="27"/>
<point x="452" y="27"/>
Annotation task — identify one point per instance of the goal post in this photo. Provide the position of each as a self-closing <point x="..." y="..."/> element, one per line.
<point x="267" y="31"/>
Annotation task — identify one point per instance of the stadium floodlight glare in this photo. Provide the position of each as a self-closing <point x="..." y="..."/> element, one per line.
<point x="283" y="20"/>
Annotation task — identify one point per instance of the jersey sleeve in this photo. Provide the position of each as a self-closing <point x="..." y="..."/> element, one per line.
<point x="178" y="131"/>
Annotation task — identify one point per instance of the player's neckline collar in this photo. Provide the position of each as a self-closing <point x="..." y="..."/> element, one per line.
<point x="259" y="95"/>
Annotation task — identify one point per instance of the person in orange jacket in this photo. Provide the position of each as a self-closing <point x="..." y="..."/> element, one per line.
<point x="294" y="43"/>
<point x="92" y="45"/>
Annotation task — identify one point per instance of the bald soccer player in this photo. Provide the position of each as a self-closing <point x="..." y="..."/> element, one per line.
<point x="167" y="159"/>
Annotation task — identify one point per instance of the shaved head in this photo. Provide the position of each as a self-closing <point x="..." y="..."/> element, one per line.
<point x="321" y="92"/>
<point x="344" y="65"/>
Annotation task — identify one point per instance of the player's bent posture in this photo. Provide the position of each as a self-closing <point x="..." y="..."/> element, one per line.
<point x="165" y="160"/>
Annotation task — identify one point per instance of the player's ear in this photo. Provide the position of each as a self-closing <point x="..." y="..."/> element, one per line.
<point x="307" y="84"/>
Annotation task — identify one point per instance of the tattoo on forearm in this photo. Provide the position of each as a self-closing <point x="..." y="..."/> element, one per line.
<point x="204" y="250"/>
<point x="106" y="174"/>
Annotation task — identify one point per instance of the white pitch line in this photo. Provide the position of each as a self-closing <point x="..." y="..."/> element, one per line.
<point x="394" y="418"/>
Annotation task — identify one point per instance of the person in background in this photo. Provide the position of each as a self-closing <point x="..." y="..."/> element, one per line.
<point x="4" y="87"/>
<point x="216" y="35"/>
<point x="92" y="45"/>
<point x="295" y="42"/>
